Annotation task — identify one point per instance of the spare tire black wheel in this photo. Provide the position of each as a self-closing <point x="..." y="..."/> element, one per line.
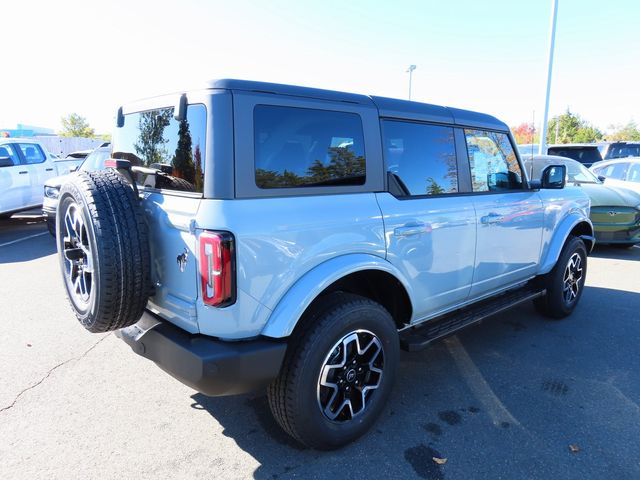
<point x="103" y="247"/>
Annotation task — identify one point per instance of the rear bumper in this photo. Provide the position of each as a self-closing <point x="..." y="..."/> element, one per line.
<point x="208" y="365"/>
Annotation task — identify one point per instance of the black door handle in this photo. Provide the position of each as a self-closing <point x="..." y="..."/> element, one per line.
<point x="21" y="173"/>
<point x="49" y="169"/>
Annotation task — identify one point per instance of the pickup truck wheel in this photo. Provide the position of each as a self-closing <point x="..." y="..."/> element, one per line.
<point x="565" y="283"/>
<point x="338" y="372"/>
<point x="103" y="249"/>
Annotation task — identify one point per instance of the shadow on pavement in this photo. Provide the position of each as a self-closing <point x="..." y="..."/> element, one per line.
<point x="616" y="253"/>
<point x="519" y="359"/>
<point x="24" y="237"/>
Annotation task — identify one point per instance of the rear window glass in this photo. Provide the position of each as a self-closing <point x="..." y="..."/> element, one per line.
<point x="623" y="151"/>
<point x="176" y="149"/>
<point x="301" y="147"/>
<point x="586" y="155"/>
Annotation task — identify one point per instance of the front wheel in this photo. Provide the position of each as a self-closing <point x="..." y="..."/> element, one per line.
<point x="338" y="372"/>
<point x="565" y="283"/>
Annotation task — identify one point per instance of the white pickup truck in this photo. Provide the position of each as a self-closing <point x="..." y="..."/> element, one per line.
<point x="24" y="167"/>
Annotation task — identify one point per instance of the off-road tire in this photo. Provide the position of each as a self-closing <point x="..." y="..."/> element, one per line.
<point x="174" y="183"/>
<point x="294" y="395"/>
<point x="117" y="243"/>
<point x="554" y="303"/>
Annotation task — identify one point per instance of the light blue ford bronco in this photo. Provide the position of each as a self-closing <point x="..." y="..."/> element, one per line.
<point x="251" y="235"/>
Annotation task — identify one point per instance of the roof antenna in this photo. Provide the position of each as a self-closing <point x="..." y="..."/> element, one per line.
<point x="533" y="136"/>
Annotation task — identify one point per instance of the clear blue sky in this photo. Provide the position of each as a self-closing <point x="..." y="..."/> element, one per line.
<point x="89" y="57"/>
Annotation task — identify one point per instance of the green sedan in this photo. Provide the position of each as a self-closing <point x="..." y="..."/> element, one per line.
<point x="615" y="211"/>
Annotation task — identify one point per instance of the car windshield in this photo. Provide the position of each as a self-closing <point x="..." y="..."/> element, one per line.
<point x="578" y="173"/>
<point x="95" y="161"/>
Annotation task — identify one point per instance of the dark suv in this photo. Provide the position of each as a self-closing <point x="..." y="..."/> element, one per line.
<point x="613" y="150"/>
<point x="585" y="153"/>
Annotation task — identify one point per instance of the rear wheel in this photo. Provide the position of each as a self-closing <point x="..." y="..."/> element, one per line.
<point x="565" y="283"/>
<point x="338" y="372"/>
<point x="103" y="249"/>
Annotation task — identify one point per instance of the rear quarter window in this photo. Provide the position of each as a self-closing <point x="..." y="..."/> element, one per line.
<point x="304" y="147"/>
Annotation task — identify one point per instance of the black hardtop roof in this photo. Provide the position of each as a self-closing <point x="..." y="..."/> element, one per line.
<point x="388" y="107"/>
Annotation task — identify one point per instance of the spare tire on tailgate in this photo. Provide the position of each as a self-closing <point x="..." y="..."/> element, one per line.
<point x="103" y="247"/>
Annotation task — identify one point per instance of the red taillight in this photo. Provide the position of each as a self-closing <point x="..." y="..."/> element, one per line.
<point x="217" y="269"/>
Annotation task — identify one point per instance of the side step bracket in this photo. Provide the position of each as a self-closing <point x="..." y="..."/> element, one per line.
<point x="419" y="337"/>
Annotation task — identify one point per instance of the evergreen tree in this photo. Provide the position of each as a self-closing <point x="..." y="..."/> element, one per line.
<point x="183" y="158"/>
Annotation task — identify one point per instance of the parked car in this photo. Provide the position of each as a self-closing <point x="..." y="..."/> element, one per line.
<point x="615" y="212"/>
<point x="613" y="150"/>
<point x="323" y="232"/>
<point x="624" y="173"/>
<point x="585" y="153"/>
<point x="94" y="161"/>
<point x="24" y="167"/>
<point x="528" y="150"/>
<point x="71" y="162"/>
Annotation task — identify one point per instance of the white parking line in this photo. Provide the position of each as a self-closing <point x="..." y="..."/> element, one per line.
<point x="22" y="239"/>
<point x="476" y="382"/>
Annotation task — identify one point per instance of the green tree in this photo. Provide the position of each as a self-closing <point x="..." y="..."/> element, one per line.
<point x="183" y="158"/>
<point x="433" y="188"/>
<point x="150" y="145"/>
<point x="628" y="132"/>
<point x="199" y="180"/>
<point x="74" y="125"/>
<point x="570" y="128"/>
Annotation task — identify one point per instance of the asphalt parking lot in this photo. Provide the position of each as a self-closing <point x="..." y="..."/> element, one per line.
<point x="516" y="397"/>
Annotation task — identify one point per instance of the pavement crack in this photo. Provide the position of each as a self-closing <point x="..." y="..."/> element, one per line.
<point x="48" y="374"/>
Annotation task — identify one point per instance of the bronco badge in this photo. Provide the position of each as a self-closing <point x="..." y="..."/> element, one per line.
<point x="182" y="260"/>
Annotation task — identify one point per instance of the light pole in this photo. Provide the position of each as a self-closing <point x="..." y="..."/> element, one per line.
<point x="410" y="72"/>
<point x="552" y="38"/>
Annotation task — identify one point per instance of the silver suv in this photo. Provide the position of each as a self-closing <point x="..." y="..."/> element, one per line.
<point x="252" y="235"/>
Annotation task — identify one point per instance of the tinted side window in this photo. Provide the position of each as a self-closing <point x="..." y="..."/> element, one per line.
<point x="32" y="153"/>
<point x="8" y="151"/>
<point x="422" y="157"/>
<point x="616" y="170"/>
<point x="297" y="147"/>
<point x="634" y="173"/>
<point x="494" y="165"/>
<point x="175" y="148"/>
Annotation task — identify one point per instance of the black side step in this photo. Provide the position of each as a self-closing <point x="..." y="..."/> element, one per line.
<point x="420" y="336"/>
